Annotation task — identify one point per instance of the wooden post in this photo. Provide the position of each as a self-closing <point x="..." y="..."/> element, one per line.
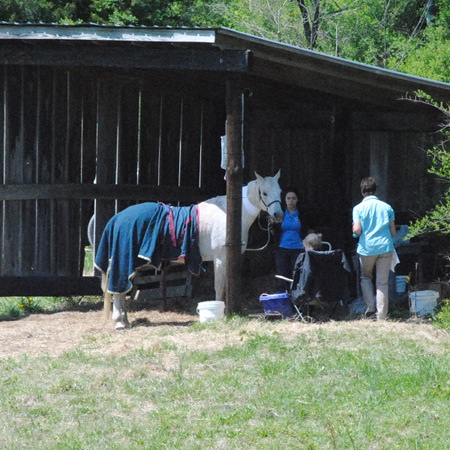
<point x="234" y="196"/>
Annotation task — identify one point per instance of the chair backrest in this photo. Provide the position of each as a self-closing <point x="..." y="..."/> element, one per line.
<point x="322" y="275"/>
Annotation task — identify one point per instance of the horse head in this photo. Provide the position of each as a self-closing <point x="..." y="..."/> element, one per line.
<point x="269" y="196"/>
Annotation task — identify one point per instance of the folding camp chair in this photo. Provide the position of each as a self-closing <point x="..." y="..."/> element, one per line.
<point x="320" y="280"/>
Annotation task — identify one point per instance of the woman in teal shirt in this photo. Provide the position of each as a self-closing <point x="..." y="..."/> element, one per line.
<point x="374" y="224"/>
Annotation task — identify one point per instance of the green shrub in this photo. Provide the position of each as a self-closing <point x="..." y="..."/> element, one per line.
<point x="442" y="318"/>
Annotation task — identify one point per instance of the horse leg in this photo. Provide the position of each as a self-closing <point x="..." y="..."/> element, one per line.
<point x="120" y="312"/>
<point x="219" y="278"/>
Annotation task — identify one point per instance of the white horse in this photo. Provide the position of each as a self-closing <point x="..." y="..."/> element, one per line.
<point x="260" y="194"/>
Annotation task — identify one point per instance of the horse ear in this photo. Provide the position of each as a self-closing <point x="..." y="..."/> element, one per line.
<point x="259" y="177"/>
<point x="277" y="176"/>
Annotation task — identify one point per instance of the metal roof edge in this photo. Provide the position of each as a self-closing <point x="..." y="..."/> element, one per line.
<point x="336" y="60"/>
<point x="95" y="32"/>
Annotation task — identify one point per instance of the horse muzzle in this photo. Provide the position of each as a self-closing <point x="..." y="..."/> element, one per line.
<point x="278" y="217"/>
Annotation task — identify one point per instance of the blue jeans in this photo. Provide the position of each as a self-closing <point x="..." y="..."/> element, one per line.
<point x="382" y="265"/>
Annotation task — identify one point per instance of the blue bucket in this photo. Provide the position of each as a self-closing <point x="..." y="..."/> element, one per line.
<point x="277" y="304"/>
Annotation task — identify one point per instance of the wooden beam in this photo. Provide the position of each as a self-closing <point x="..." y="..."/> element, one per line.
<point x="83" y="54"/>
<point x="234" y="196"/>
<point x="105" y="191"/>
<point x="49" y="286"/>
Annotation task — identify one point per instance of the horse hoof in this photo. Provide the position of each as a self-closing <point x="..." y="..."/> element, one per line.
<point x="122" y="326"/>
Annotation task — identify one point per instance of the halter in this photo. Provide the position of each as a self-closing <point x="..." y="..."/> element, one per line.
<point x="269" y="227"/>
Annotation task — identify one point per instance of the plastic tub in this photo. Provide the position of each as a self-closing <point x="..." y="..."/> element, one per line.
<point x="277" y="304"/>
<point x="210" y="311"/>
<point x="423" y="303"/>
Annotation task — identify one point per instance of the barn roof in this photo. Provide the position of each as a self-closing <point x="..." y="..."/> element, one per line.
<point x="220" y="50"/>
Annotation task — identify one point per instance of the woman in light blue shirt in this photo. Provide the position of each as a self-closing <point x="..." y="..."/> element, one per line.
<point x="374" y="224"/>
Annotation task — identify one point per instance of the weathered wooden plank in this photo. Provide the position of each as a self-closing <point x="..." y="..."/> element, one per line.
<point x="177" y="283"/>
<point x="211" y="177"/>
<point x="109" y="96"/>
<point x="396" y="121"/>
<point x="150" y="130"/>
<point x="119" y="56"/>
<point x="157" y="293"/>
<point x="142" y="279"/>
<point x="184" y="194"/>
<point x="49" y="286"/>
<point x="171" y="129"/>
<point x="13" y="162"/>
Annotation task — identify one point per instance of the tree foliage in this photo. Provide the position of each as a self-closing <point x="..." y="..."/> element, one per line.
<point x="405" y="35"/>
<point x="115" y="12"/>
<point x="438" y="219"/>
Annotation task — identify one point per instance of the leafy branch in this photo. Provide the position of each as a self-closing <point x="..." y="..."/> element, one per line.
<point x="436" y="221"/>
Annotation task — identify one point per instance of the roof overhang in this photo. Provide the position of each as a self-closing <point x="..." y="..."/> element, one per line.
<point x="211" y="49"/>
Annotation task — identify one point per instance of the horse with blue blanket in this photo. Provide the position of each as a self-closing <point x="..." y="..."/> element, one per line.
<point x="150" y="233"/>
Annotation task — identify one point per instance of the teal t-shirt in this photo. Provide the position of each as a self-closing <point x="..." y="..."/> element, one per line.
<point x="375" y="216"/>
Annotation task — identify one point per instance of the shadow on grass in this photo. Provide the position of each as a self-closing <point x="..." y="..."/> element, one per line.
<point x="144" y="322"/>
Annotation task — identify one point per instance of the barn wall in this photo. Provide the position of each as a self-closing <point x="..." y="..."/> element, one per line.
<point x="392" y="149"/>
<point x="307" y="144"/>
<point x="325" y="150"/>
<point x="75" y="142"/>
<point x="45" y="133"/>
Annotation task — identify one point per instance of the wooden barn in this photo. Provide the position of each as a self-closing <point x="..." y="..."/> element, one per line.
<point x="96" y="118"/>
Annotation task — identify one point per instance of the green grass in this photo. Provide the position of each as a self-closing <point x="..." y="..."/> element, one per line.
<point x="345" y="385"/>
<point x="16" y="307"/>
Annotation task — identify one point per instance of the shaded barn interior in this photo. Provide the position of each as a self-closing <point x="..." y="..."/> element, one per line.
<point x="97" y="123"/>
<point x="78" y="142"/>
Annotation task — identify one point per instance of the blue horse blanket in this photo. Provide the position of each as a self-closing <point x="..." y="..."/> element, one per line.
<point x="148" y="233"/>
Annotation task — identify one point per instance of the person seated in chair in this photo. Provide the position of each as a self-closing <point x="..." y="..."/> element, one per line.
<point x="320" y="277"/>
<point x="313" y="241"/>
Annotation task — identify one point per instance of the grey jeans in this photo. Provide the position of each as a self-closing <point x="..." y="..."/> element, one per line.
<point x="381" y="264"/>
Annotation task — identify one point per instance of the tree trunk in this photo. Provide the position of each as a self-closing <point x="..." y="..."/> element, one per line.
<point x="311" y="21"/>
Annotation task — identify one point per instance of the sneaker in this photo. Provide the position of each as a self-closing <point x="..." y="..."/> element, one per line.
<point x="370" y="314"/>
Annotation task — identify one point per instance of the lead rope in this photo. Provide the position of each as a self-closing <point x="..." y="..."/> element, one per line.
<point x="269" y="227"/>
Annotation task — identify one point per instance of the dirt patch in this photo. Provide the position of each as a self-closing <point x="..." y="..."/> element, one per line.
<point x="88" y="330"/>
<point x="52" y="334"/>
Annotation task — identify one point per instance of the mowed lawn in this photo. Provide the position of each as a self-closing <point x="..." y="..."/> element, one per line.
<point x="173" y="383"/>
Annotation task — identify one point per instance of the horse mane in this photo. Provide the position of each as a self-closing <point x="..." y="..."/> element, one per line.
<point x="252" y="192"/>
<point x="252" y="196"/>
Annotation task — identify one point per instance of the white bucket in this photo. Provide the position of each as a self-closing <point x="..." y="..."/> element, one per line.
<point x="423" y="303"/>
<point x="210" y="311"/>
<point x="400" y="283"/>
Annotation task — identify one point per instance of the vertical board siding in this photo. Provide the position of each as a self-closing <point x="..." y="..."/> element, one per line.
<point x="398" y="161"/>
<point x="190" y="141"/>
<point x="150" y="135"/>
<point x="13" y="169"/>
<point x="74" y="127"/>
<point x="108" y="101"/>
<point x="170" y="138"/>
